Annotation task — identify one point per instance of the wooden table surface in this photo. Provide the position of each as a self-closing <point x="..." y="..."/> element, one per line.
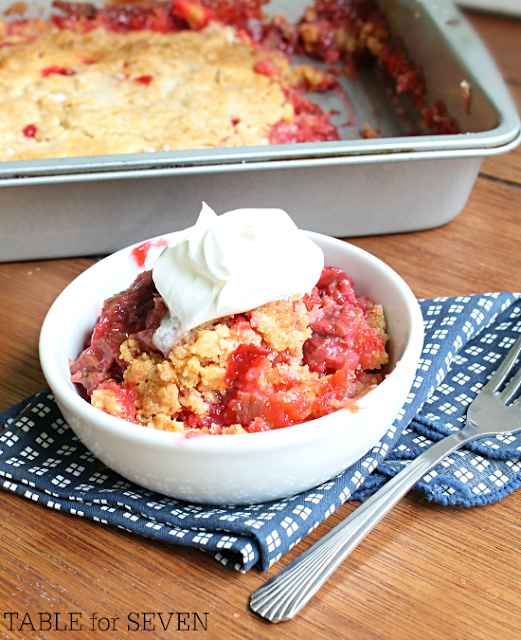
<point x="425" y="572"/>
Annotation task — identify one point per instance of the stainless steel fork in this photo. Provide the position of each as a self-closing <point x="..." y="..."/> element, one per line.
<point x="492" y="412"/>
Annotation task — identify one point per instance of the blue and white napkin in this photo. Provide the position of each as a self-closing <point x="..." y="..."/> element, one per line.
<point x="465" y="340"/>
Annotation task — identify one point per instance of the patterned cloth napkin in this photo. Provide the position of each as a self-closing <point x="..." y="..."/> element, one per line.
<point x="465" y="339"/>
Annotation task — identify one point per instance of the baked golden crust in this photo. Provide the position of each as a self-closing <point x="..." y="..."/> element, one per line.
<point x="103" y="92"/>
<point x="284" y="325"/>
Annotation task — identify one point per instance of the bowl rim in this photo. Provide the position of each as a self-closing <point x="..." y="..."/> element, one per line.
<point x="295" y="435"/>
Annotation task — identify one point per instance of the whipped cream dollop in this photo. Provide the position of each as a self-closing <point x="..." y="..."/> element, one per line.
<point x="230" y="264"/>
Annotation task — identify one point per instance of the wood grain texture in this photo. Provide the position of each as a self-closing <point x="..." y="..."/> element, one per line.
<point x="501" y="35"/>
<point x="426" y="572"/>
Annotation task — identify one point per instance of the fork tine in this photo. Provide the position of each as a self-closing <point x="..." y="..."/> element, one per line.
<point x="512" y="388"/>
<point x="504" y="369"/>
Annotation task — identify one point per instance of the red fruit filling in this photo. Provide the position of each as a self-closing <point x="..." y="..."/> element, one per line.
<point x="30" y="131"/>
<point x="138" y="310"/>
<point x="144" y="80"/>
<point x="61" y="71"/>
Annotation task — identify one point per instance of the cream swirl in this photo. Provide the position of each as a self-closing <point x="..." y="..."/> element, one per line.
<point x="230" y="264"/>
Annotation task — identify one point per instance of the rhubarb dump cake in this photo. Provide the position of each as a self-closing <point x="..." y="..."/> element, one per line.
<point x="158" y="359"/>
<point x="161" y="75"/>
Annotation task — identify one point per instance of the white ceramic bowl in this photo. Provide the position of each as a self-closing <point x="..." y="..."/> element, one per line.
<point x="231" y="469"/>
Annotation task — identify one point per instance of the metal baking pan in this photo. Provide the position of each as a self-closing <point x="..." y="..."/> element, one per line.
<point x="353" y="187"/>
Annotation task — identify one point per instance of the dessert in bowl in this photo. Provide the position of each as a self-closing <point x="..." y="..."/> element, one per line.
<point x="257" y="458"/>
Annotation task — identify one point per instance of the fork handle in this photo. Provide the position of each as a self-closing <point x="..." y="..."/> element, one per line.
<point x="284" y="595"/>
